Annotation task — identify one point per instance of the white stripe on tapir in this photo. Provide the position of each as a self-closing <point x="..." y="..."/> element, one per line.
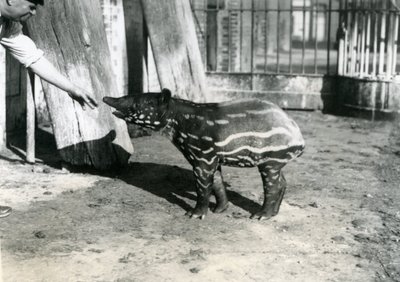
<point x="273" y="131"/>
<point x="204" y="160"/>
<point x="208" y="151"/>
<point x="261" y="150"/>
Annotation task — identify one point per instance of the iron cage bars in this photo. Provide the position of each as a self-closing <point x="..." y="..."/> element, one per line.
<point x="310" y="9"/>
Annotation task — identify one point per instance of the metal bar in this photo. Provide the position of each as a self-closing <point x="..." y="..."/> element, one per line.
<point x="329" y="37"/>
<point x="229" y="41"/>
<point x="389" y="48"/>
<point x="295" y="9"/>
<point x="375" y="46"/>
<point x="241" y="35"/>
<point x="205" y="40"/>
<point x="368" y="42"/>
<point x="266" y="36"/>
<point x="346" y="40"/>
<point x="252" y="39"/>
<point x="357" y="66"/>
<point x="304" y="38"/>
<point x="316" y="39"/>
<point x="291" y="38"/>
<point x="354" y="37"/>
<point x="396" y="35"/>
<point x="266" y="74"/>
<point x="382" y="43"/>
<point x="363" y="36"/>
<point x="340" y="36"/>
<point x="278" y="30"/>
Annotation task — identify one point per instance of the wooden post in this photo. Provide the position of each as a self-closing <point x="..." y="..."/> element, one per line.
<point x="30" y="118"/>
<point x="73" y="37"/>
<point x="2" y="98"/>
<point x="175" y="47"/>
<point x="136" y="44"/>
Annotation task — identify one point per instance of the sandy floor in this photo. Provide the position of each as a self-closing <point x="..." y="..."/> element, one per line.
<point x="339" y="221"/>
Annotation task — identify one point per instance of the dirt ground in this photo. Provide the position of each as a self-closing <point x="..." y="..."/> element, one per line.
<point x="339" y="220"/>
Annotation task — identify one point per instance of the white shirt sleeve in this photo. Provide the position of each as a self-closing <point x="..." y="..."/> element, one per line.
<point x="21" y="47"/>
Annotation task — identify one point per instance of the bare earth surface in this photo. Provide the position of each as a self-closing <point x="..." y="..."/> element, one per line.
<point x="339" y="220"/>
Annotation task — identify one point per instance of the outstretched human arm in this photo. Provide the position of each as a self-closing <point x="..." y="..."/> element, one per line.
<point x="26" y="52"/>
<point x="48" y="72"/>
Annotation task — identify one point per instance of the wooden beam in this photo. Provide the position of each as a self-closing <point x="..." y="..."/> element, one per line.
<point x="136" y="44"/>
<point x="3" y="127"/>
<point x="73" y="37"/>
<point x="30" y="118"/>
<point x="176" y="51"/>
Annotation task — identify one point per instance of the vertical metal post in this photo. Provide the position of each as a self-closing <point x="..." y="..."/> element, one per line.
<point x="291" y="38"/>
<point x="382" y="39"/>
<point x="229" y="40"/>
<point x="316" y="37"/>
<point x="252" y="40"/>
<point x="304" y="37"/>
<point x="396" y="35"/>
<point x="278" y="31"/>
<point x="266" y="36"/>
<point x="329" y="37"/>
<point x="389" y="47"/>
<point x="346" y="40"/>
<point x="368" y="40"/>
<point x="363" y="38"/>
<point x="375" y="45"/>
<point x="241" y="34"/>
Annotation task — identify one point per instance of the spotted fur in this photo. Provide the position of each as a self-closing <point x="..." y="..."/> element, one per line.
<point x="244" y="133"/>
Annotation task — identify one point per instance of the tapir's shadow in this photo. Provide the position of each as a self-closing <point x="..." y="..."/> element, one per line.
<point x="175" y="184"/>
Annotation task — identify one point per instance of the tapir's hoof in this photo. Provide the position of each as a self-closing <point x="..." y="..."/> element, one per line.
<point x="263" y="215"/>
<point x="193" y="214"/>
<point x="221" y="208"/>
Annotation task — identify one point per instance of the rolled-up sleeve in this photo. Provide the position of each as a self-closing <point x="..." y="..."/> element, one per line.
<point x="21" y="47"/>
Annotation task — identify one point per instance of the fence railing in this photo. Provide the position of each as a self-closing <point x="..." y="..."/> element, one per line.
<point x="312" y="37"/>
<point x="268" y="36"/>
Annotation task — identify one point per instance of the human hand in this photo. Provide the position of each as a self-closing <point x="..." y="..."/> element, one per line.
<point x="83" y="97"/>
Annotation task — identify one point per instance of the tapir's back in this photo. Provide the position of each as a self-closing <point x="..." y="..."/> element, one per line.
<point x="254" y="123"/>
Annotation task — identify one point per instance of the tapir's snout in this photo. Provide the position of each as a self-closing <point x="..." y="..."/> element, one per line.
<point x="121" y="104"/>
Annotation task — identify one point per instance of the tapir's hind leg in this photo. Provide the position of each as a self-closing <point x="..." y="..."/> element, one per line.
<point x="274" y="185"/>
<point x="219" y="191"/>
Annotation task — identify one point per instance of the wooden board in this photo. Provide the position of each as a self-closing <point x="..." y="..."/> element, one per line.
<point x="2" y="98"/>
<point x="72" y="35"/>
<point x="136" y="44"/>
<point x="175" y="47"/>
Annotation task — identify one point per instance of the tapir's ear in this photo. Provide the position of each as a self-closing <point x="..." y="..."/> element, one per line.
<point x="165" y="95"/>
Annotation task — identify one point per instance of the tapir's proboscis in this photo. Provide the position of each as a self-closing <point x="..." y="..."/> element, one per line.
<point x="242" y="133"/>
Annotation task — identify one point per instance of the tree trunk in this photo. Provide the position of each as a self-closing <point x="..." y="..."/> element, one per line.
<point x="72" y="35"/>
<point x="176" y="51"/>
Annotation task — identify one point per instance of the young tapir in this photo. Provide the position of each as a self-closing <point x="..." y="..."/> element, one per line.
<point x="243" y="133"/>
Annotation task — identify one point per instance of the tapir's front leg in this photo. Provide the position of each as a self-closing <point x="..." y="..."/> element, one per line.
<point x="204" y="181"/>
